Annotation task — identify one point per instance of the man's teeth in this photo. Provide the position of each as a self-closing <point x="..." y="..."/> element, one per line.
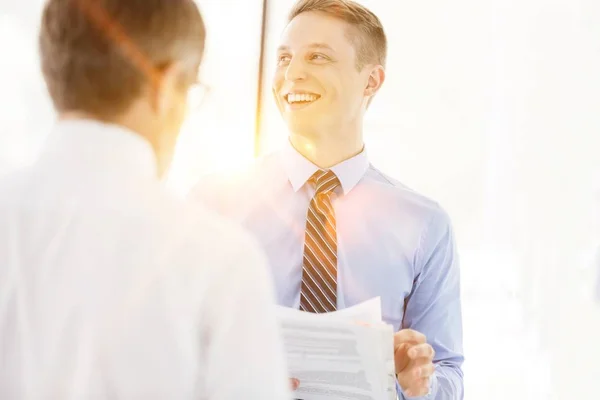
<point x="299" y="97"/>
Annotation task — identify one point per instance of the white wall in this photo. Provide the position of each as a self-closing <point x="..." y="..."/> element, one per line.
<point x="25" y="112"/>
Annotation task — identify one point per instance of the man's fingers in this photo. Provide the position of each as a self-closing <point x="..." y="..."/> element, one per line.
<point x="406" y="354"/>
<point x="423" y="350"/>
<point x="408" y="336"/>
<point x="415" y="378"/>
<point x="420" y="368"/>
<point x="413" y="361"/>
<point x="294" y="383"/>
<point x="402" y="348"/>
<point x="401" y="359"/>
<point x="424" y="370"/>
<point x="418" y="388"/>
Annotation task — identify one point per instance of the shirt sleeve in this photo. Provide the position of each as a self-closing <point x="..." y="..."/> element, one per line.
<point x="245" y="358"/>
<point x="434" y="308"/>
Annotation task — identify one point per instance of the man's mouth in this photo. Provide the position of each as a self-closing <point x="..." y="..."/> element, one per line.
<point x="301" y="98"/>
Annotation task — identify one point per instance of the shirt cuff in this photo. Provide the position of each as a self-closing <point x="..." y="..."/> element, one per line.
<point x="433" y="383"/>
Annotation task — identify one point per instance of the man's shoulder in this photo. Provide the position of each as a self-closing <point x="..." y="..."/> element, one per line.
<point x="13" y="184"/>
<point x="14" y="178"/>
<point x="406" y="197"/>
<point x="188" y="239"/>
<point x="215" y="230"/>
<point x="218" y="189"/>
<point x="147" y="211"/>
<point x="213" y="246"/>
<point x="198" y="223"/>
<point x="250" y="173"/>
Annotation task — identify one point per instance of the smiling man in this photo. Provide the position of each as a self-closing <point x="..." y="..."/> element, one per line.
<point x="337" y="230"/>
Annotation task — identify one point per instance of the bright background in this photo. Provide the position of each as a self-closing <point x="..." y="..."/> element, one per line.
<point x="491" y="107"/>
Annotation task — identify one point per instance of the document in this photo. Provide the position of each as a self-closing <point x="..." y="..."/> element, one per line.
<point x="342" y="355"/>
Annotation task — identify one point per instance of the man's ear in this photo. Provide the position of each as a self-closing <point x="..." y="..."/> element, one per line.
<point x="376" y="79"/>
<point x="165" y="88"/>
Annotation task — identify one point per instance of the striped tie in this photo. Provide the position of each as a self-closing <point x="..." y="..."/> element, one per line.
<point x="318" y="292"/>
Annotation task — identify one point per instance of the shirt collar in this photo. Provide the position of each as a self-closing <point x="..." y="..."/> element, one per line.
<point x="299" y="169"/>
<point x="107" y="146"/>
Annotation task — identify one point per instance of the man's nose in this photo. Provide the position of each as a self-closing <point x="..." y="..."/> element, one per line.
<point x="295" y="70"/>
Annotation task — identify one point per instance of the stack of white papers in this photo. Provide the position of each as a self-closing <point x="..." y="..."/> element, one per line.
<point x="342" y="355"/>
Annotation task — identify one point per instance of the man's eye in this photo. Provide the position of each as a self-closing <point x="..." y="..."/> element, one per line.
<point x="318" y="57"/>
<point x="284" y="59"/>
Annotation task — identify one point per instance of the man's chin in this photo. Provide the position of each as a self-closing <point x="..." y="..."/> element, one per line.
<point x="300" y="126"/>
<point x="307" y="120"/>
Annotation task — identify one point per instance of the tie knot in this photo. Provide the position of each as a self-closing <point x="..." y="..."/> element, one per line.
<point x="324" y="181"/>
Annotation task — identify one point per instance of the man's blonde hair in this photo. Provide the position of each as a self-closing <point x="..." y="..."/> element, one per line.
<point x="367" y="34"/>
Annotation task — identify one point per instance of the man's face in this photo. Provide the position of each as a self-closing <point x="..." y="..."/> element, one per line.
<point x="317" y="85"/>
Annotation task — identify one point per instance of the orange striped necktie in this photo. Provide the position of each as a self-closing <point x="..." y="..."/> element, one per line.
<point x="318" y="292"/>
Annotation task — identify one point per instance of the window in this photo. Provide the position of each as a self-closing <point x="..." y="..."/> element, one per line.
<point x="221" y="134"/>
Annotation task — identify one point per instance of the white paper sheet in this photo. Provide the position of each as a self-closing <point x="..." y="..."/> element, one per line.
<point x="343" y="355"/>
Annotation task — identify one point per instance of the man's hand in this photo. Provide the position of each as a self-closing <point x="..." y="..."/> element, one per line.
<point x="414" y="362"/>
<point x="294" y="383"/>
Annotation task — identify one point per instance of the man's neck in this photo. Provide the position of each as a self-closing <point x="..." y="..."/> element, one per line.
<point x="131" y="123"/>
<point x="327" y="152"/>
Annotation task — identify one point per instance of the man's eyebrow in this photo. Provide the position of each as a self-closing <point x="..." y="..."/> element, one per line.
<point x="320" y="46"/>
<point x="324" y="46"/>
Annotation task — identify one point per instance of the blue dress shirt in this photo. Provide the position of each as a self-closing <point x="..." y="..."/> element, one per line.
<point x="392" y="243"/>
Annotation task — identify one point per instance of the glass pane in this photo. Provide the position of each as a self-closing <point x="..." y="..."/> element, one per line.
<point x="220" y="134"/>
